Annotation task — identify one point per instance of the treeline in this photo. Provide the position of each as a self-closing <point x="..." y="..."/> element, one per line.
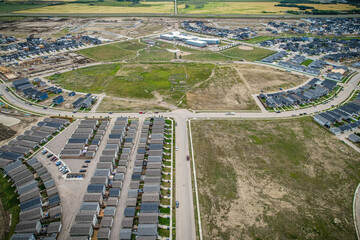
<point x="300" y="7"/>
<point x="326" y="12"/>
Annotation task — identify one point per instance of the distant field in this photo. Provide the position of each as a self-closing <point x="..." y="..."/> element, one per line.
<point x="267" y="179"/>
<point x="113" y="52"/>
<point x="11" y="7"/>
<point x="252" y="7"/>
<point x="135" y="80"/>
<point x="155" y="7"/>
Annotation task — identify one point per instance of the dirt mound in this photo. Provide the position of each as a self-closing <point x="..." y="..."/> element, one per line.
<point x="248" y="48"/>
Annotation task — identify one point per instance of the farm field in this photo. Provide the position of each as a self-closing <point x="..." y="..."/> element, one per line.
<point x="11" y="7"/>
<point x="268" y="79"/>
<point x="113" y="52"/>
<point x="250" y="7"/>
<point x="170" y="80"/>
<point x="148" y="7"/>
<point x="267" y="179"/>
<point x="225" y="90"/>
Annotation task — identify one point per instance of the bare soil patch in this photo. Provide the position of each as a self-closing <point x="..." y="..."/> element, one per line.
<point x="112" y="104"/>
<point x="284" y="179"/>
<point x="242" y="47"/>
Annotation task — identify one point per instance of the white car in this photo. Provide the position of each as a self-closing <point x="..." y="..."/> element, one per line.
<point x="177" y="148"/>
<point x="230" y="113"/>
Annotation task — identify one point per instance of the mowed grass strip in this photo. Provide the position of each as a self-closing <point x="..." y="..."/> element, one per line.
<point x="274" y="179"/>
<point x="148" y="7"/>
<point x="136" y="80"/>
<point x="113" y="52"/>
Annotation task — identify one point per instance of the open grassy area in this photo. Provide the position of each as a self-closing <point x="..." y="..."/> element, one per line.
<point x="225" y="90"/>
<point x="113" y="52"/>
<point x="10" y="204"/>
<point x="143" y="7"/>
<point x="232" y="54"/>
<point x="267" y="179"/>
<point x="156" y="53"/>
<point x="132" y="80"/>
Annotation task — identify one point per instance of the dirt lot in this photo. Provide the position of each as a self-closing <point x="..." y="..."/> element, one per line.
<point x="284" y="179"/>
<point x="268" y="79"/>
<point x="224" y="90"/>
<point x="116" y="28"/>
<point x="41" y="27"/>
<point x="26" y="122"/>
<point x="112" y="104"/>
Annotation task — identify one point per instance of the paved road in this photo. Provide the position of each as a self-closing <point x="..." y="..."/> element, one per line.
<point x="185" y="220"/>
<point x="185" y="214"/>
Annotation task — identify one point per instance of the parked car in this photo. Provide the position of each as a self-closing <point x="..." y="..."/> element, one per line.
<point x="187" y="157"/>
<point x="141" y="112"/>
<point x="44" y="152"/>
<point x="49" y="155"/>
<point x="177" y="204"/>
<point x="87" y="161"/>
<point x="83" y="170"/>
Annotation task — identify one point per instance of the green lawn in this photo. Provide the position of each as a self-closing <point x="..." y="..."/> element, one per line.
<point x="10" y="203"/>
<point x="249" y="55"/>
<point x="135" y="80"/>
<point x="113" y="52"/>
<point x="307" y="62"/>
<point x="285" y="179"/>
<point x="260" y="39"/>
<point x="164" y="221"/>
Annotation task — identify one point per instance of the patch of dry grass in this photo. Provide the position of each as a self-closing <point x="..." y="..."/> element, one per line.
<point x="283" y="179"/>
<point x="225" y="90"/>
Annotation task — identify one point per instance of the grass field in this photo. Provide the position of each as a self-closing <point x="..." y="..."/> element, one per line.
<point x="225" y="90"/>
<point x="156" y="53"/>
<point x="141" y="81"/>
<point x="148" y="7"/>
<point x="250" y="7"/>
<point x="267" y="179"/>
<point x="10" y="204"/>
<point x="113" y="52"/>
<point x="232" y="54"/>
